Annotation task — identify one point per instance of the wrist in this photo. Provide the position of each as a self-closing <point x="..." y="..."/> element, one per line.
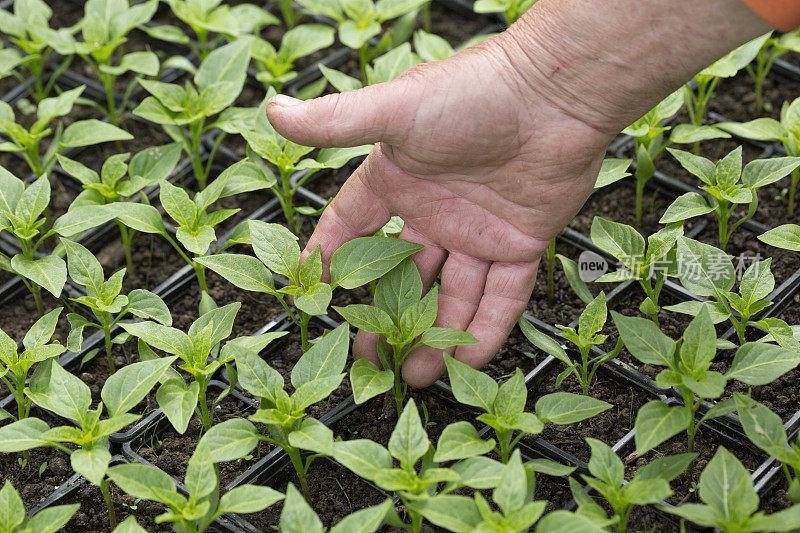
<point x="607" y="62"/>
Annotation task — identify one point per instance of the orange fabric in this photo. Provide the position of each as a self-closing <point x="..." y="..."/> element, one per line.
<point x="783" y="14"/>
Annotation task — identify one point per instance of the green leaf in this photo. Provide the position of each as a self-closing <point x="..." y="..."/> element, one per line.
<point x="543" y="342"/>
<point x="364" y="521"/>
<point x="257" y="377"/>
<point x="57" y="390"/>
<point x="644" y="340"/>
<point x="726" y="486"/>
<point x="420" y="316"/>
<point x="593" y="317"/>
<point x="129" y="385"/>
<point x="758" y="363"/>
<point x="363" y="457"/>
<point x="619" y="240"/>
<point x="366" y="259"/>
<point x="667" y="468"/>
<point x="367" y="318"/>
<point x="227" y="63"/>
<point x="460" y="440"/>
<point x="718" y="311"/>
<point x="398" y="289"/>
<point x="567" y="408"/>
<point x="657" y="422"/>
<point x="33" y="200"/>
<point x="49" y="272"/>
<point x="763" y="428"/>
<point x="567" y="522"/>
<point x="690" y="133"/>
<point x="327" y="357"/>
<point x="90" y="132"/>
<point x="178" y="402"/>
<point x="760" y="129"/>
<point x="91" y="463"/>
<point x="443" y="338"/>
<point x="604" y="464"/>
<point x="82" y="266"/>
<point x="572" y="273"/>
<point x="145" y="304"/>
<point x="684" y="207"/>
<point x="763" y="172"/>
<point x="230" y="440"/>
<point x="705" y="270"/>
<point x="140" y="217"/>
<point x="409" y="441"/>
<point x="177" y="204"/>
<point x="57" y="106"/>
<point x="143" y="481"/>
<point x="786" y="236"/>
<point x="699" y="342"/>
<point x="23" y="435"/>
<point x="161" y="337"/>
<point x="695" y="165"/>
<point x="470" y="386"/>
<point x="511" y="397"/>
<point x="52" y="519"/>
<point x="244" y="271"/>
<point x="276" y="247"/>
<point x="297" y="515"/>
<point x="42" y="330"/>
<point x="314" y="301"/>
<point x="314" y="436"/>
<point x="368" y="381"/>
<point x="451" y="512"/>
<point x="757" y="282"/>
<point x="248" y="499"/>
<point x="81" y="218"/>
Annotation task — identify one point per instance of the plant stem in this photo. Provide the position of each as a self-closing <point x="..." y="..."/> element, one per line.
<point x="127" y="237"/>
<point x="205" y="417"/>
<point x="304" y="318"/>
<point x="504" y="444"/>
<point x="585" y="370"/>
<point x="550" y="257"/>
<point x="426" y="17"/>
<point x="297" y="462"/>
<point x="37" y="297"/>
<point x="286" y="200"/>
<point x="793" y="189"/>
<point x="107" y="338"/>
<point x="287" y="12"/>
<point x="112" y="515"/>
<point x="398" y="389"/>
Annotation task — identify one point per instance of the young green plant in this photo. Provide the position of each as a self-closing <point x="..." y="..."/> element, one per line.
<point x="275" y="67"/>
<point x="687" y="365"/>
<point x="29" y="29"/>
<point x="104" y="28"/>
<point x="56" y="390"/>
<point x="183" y="112"/>
<point x="15" y="365"/>
<point x="726" y="186"/>
<point x="590" y="324"/>
<point x="14" y="519"/>
<point x="384" y="68"/>
<point x="145" y="169"/>
<point x="21" y="214"/>
<point x="511" y="9"/>
<point x="103" y="298"/>
<point x="360" y="21"/>
<point x="730" y="503"/>
<point x="79" y="133"/>
<point x="786" y="131"/>
<point x="649" y="140"/>
<point x="504" y="411"/>
<point x="409" y="445"/>
<point x="354" y="264"/>
<point x="773" y="47"/>
<point x="649" y="485"/>
<point x="298" y="516"/>
<point x="648" y="263"/>
<point x="196" y="511"/>
<point x="317" y="373"/>
<point x="404" y="319"/>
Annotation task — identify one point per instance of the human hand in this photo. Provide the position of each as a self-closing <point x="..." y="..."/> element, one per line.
<point x="485" y="156"/>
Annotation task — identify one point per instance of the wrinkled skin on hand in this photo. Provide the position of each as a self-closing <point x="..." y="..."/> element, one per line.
<point x="485" y="161"/>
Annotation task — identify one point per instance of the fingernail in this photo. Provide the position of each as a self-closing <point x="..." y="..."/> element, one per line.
<point x="286" y="101"/>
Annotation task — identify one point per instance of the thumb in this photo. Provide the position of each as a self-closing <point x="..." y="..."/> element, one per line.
<point x="373" y="114"/>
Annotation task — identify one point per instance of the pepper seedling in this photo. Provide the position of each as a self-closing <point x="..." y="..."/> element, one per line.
<point x="104" y="28"/>
<point x="354" y="264"/>
<point x="730" y="502"/>
<point x="649" y="485"/>
<point x="384" y="68"/>
<point x="404" y="318"/>
<point x="206" y="17"/>
<point x="298" y="516"/>
<point x="105" y="301"/>
<point x="146" y="169"/>
<point x="80" y="133"/>
<point x="726" y="186"/>
<point x="195" y="224"/>
<point x="275" y="67"/>
<point x="590" y="324"/>
<point x="514" y="507"/>
<point x="787" y="132"/>
<point x="686" y="366"/>
<point x="359" y="21"/>
<point x="408" y="445"/>
<point x="771" y="49"/>
<point x="21" y="210"/>
<point x="264" y="143"/>
<point x="184" y="111"/>
<point x="512" y="10"/>
<point x="317" y="373"/>
<point x="765" y="429"/>
<point x="204" y="503"/>
<point x="697" y="99"/>
<point x="504" y="411"/>
<point x="650" y="264"/>
<point x="14" y="518"/>
<point x="709" y="272"/>
<point x="29" y="29"/>
<point x="37" y="347"/>
<point x="56" y="390"/>
<point x="649" y="140"/>
<point x="199" y="349"/>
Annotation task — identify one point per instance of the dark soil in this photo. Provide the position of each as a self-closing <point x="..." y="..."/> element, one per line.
<point x="735" y="97"/>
